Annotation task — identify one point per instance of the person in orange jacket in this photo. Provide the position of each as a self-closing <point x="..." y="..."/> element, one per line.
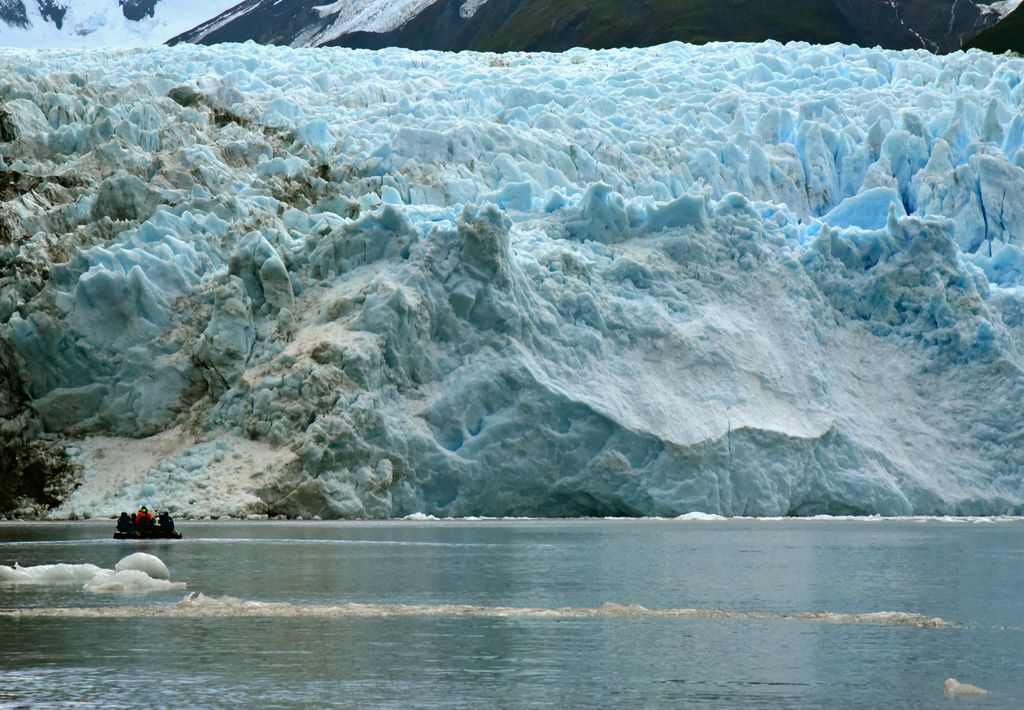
<point x="144" y="519"/>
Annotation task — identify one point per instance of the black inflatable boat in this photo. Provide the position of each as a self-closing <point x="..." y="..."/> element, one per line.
<point x="155" y="534"/>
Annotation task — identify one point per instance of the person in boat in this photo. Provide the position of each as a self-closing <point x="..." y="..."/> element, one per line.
<point x="124" y="523"/>
<point x="165" y="523"/>
<point x="144" y="520"/>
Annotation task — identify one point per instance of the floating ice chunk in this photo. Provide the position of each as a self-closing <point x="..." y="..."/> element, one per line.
<point x="139" y="572"/>
<point x="143" y="562"/>
<point x="700" y="516"/>
<point x="129" y="580"/>
<point x="58" y="574"/>
<point x="868" y="210"/>
<point x="954" y="687"/>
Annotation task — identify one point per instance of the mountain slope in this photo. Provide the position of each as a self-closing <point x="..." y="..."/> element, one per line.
<point x="1008" y="35"/>
<point x="502" y="25"/>
<point x="533" y="25"/>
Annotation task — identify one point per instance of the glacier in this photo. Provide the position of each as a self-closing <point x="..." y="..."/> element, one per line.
<point x="734" y="279"/>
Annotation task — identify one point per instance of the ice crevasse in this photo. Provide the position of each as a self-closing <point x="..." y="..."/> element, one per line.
<point x="733" y="279"/>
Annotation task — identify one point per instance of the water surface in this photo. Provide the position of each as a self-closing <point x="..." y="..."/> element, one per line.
<point x="525" y="613"/>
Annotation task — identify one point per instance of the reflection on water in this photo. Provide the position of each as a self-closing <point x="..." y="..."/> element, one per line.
<point x="525" y="613"/>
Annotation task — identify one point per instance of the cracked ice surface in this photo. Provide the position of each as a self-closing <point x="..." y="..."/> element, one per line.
<point x="732" y="279"/>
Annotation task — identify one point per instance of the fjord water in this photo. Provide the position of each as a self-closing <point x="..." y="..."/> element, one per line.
<point x="62" y="646"/>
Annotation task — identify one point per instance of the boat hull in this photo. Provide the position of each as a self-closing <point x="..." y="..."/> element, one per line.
<point x="148" y="535"/>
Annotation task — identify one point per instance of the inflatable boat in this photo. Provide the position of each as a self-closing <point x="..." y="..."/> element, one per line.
<point x="154" y="534"/>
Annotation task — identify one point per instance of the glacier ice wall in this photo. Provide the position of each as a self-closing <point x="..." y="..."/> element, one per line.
<point x="737" y="279"/>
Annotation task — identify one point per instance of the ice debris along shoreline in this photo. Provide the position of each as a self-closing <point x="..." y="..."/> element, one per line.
<point x="138" y="572"/>
<point x="735" y="279"/>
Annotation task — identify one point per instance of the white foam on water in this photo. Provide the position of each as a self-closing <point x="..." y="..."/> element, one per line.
<point x="198" y="606"/>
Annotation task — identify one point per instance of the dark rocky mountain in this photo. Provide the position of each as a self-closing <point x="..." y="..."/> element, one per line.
<point x="1008" y="35"/>
<point x="503" y="25"/>
<point x="12" y="12"/>
<point x="53" y="11"/>
<point x="281" y="22"/>
<point x="137" y="9"/>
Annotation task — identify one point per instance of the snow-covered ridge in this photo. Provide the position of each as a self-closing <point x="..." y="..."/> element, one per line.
<point x="102" y="23"/>
<point x="362" y="16"/>
<point x="938" y="25"/>
<point x="1002" y="8"/>
<point x="736" y="280"/>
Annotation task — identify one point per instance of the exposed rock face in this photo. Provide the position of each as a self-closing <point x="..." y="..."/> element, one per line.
<point x="53" y="11"/>
<point x="13" y="12"/>
<point x="138" y="9"/>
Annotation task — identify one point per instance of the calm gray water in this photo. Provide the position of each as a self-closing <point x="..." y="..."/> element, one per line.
<point x="330" y="638"/>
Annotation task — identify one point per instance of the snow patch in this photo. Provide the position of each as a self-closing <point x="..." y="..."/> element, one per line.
<point x="129" y="581"/>
<point x="469" y="8"/>
<point x="1003" y="8"/>
<point x="362" y="16"/>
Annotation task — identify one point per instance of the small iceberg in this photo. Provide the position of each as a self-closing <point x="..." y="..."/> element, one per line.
<point x="954" y="687"/>
<point x="700" y="516"/>
<point x="135" y="573"/>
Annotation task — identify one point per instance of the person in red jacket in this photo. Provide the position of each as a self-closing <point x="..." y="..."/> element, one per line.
<point x="143" y="519"/>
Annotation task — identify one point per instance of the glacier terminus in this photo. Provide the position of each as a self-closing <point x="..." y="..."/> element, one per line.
<point x="735" y="279"/>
